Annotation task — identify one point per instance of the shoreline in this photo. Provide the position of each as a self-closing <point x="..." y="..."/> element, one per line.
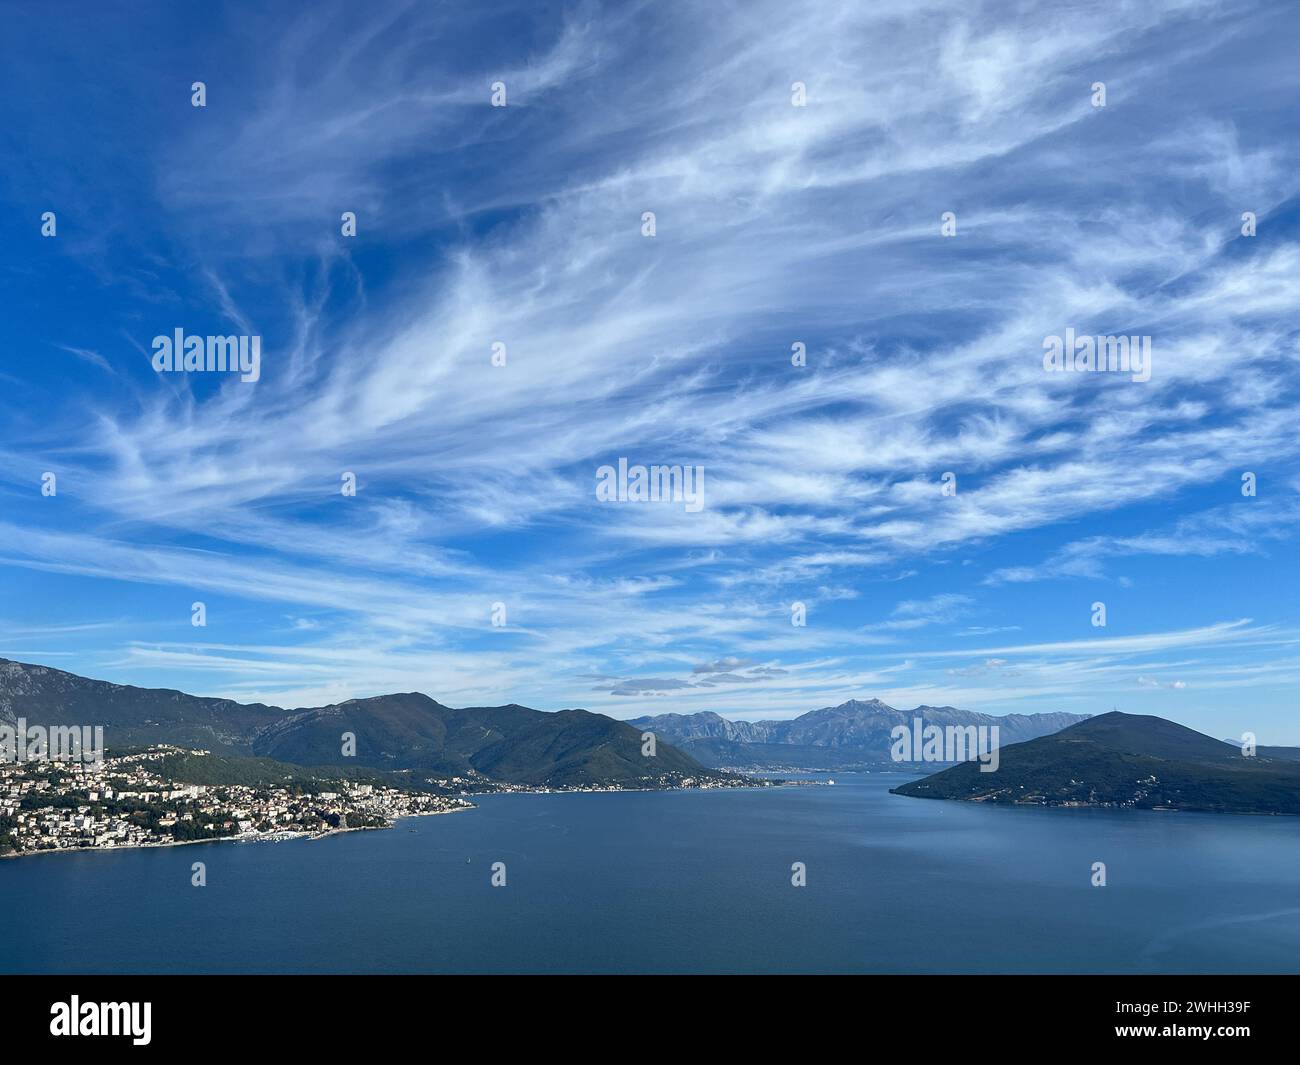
<point x="285" y="837"/>
<point x="251" y="837"/>
<point x="1103" y="807"/>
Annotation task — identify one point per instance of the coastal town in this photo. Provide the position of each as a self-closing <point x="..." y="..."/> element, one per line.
<point x="477" y="784"/>
<point x="147" y="798"/>
<point x="134" y="800"/>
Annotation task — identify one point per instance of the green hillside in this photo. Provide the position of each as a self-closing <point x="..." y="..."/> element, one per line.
<point x="409" y="733"/>
<point x="1129" y="761"/>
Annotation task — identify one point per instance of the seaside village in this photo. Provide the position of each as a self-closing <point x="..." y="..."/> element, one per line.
<point x="126" y="801"/>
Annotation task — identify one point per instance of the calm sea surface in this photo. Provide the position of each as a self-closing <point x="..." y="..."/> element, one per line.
<point x="685" y="882"/>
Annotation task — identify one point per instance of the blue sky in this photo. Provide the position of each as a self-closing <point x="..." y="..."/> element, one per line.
<point x="775" y="224"/>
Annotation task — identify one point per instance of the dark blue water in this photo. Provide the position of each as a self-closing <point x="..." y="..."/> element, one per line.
<point x="685" y="882"/>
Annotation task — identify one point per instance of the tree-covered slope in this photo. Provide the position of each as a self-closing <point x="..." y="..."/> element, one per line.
<point x="1129" y="761"/>
<point x="408" y="731"/>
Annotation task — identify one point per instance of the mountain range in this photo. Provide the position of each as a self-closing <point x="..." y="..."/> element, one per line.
<point x="855" y="733"/>
<point x="1114" y="759"/>
<point x="510" y="744"/>
<point x="1127" y="760"/>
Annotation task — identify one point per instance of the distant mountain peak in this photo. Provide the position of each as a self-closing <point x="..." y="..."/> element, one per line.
<point x="860" y="729"/>
<point x="865" y="704"/>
